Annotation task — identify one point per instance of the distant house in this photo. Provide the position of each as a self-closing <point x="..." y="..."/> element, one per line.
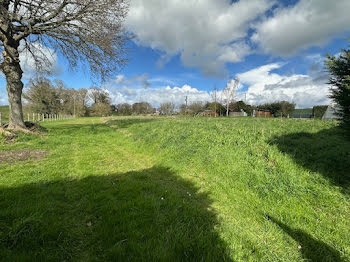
<point x="262" y="113"/>
<point x="331" y="112"/>
<point x="207" y="113"/>
<point x="237" y="114"/>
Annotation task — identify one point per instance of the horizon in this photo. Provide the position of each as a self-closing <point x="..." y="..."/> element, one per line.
<point x="190" y="48"/>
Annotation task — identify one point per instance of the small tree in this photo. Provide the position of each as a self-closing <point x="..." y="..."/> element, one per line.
<point x="167" y="108"/>
<point x="220" y="109"/>
<point x="73" y="101"/>
<point x="196" y="107"/>
<point x="42" y="96"/>
<point x="81" y="30"/>
<point x="339" y="68"/>
<point x="98" y="95"/>
<point x="124" y="109"/>
<point x="142" y="108"/>
<point x="101" y="109"/>
<point x="229" y="93"/>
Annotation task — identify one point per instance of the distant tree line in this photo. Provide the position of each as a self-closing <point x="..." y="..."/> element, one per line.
<point x="141" y="108"/>
<point x="53" y="97"/>
<point x="283" y="108"/>
<point x="46" y="97"/>
<point x="278" y="109"/>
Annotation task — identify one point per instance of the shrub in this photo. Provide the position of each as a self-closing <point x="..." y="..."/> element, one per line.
<point x="339" y="68"/>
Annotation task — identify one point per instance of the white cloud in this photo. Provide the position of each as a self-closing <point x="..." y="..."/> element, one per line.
<point x="122" y="80"/>
<point x="47" y="59"/>
<point x="119" y="79"/>
<point x="131" y="91"/>
<point x="207" y="34"/>
<point x="156" y="96"/>
<point x="264" y="86"/>
<point x="308" y="23"/>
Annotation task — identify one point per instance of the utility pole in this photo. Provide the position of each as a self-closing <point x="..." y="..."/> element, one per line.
<point x="215" y="100"/>
<point x="186" y="105"/>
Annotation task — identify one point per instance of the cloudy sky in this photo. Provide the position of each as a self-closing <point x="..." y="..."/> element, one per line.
<point x="187" y="47"/>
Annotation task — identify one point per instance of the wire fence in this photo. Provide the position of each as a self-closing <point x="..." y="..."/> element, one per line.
<point x="37" y="117"/>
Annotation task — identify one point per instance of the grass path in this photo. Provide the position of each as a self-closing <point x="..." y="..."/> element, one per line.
<point x="157" y="189"/>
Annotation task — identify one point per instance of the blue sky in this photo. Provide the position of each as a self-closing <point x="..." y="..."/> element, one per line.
<point x="186" y="48"/>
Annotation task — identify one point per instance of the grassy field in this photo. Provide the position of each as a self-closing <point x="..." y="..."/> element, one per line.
<point x="4" y="110"/>
<point x="176" y="189"/>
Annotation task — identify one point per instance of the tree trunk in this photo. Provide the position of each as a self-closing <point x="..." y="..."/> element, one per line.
<point x="13" y="73"/>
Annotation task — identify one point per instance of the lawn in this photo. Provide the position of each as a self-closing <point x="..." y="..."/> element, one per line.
<point x="4" y="110"/>
<point x="176" y="189"/>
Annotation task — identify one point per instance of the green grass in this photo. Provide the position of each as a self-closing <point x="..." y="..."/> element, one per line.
<point x="4" y="110"/>
<point x="178" y="189"/>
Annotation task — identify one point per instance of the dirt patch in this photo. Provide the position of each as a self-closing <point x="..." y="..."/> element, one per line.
<point x="13" y="156"/>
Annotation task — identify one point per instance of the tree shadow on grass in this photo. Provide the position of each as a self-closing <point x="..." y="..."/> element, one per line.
<point x="148" y="215"/>
<point x="326" y="152"/>
<point x="310" y="248"/>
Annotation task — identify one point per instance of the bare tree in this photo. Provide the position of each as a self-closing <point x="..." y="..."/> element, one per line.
<point x="142" y="108"/>
<point x="167" y="108"/>
<point x="196" y="107"/>
<point x="87" y="32"/>
<point x="98" y="95"/>
<point x="124" y="109"/>
<point x="229" y="93"/>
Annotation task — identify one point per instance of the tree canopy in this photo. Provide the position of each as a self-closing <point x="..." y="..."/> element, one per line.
<point x="339" y="68"/>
